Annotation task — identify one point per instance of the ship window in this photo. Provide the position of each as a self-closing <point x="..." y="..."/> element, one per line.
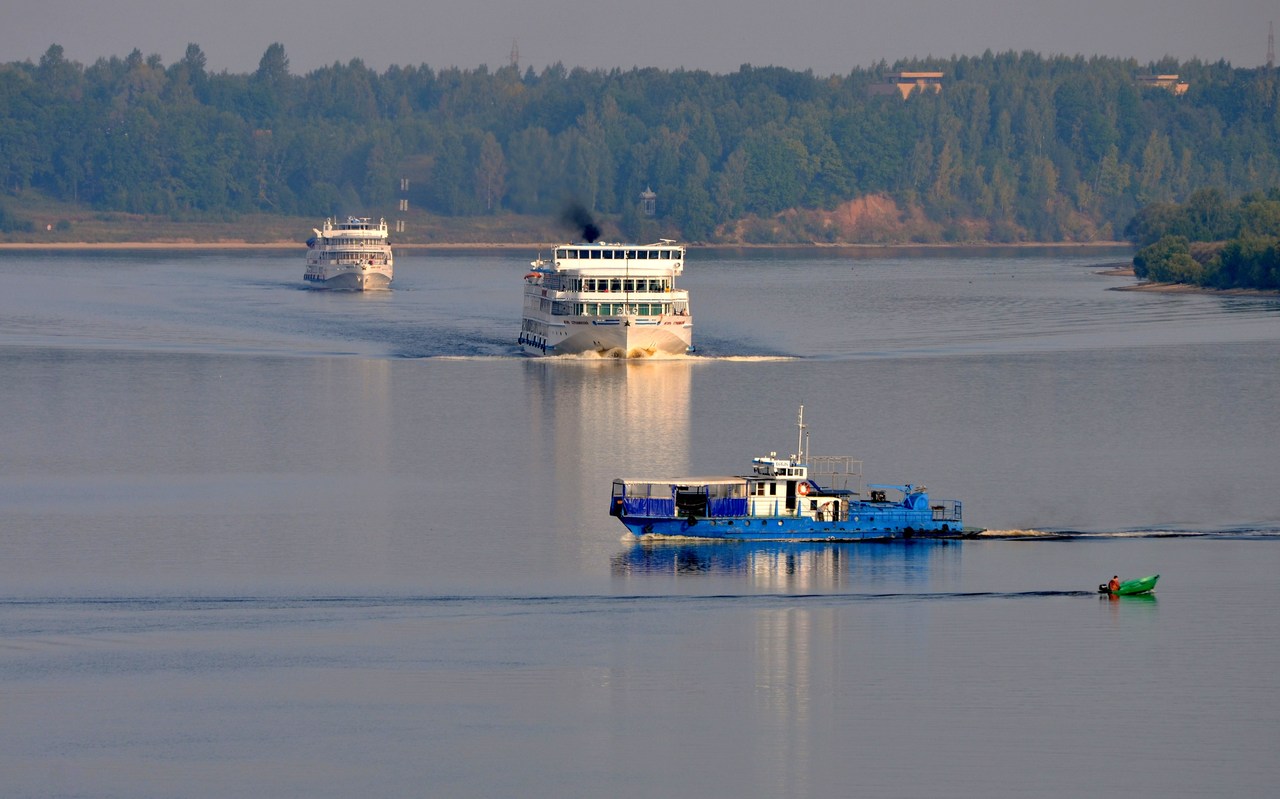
<point x="595" y="254"/>
<point x="615" y="284"/>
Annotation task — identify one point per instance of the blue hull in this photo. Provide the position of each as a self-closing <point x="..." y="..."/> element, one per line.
<point x="780" y="529"/>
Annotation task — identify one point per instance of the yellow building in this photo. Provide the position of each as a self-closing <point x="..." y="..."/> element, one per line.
<point x="904" y="83"/>
<point x="1167" y="82"/>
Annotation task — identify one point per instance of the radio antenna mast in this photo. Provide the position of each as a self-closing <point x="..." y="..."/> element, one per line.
<point x="800" y="456"/>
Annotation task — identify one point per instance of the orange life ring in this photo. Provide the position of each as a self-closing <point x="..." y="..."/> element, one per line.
<point x="803" y="489"/>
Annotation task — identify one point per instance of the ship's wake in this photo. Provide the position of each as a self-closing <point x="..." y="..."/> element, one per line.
<point x="1091" y="535"/>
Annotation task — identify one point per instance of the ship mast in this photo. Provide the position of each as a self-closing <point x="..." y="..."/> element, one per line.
<point x="800" y="457"/>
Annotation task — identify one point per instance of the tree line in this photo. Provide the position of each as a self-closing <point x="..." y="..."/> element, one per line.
<point x="1210" y="241"/>
<point x="1015" y="146"/>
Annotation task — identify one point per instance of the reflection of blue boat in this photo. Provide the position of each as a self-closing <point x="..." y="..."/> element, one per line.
<point x="773" y="559"/>
<point x="800" y="498"/>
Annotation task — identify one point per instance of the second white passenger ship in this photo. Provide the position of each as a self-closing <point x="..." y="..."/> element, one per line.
<point x="614" y="300"/>
<point x="353" y="255"/>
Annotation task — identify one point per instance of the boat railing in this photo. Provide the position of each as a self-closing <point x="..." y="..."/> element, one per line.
<point x="946" y="510"/>
<point x="836" y="472"/>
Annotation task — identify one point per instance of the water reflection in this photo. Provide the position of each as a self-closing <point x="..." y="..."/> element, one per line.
<point x="793" y="666"/>
<point x="794" y="568"/>
<point x="606" y="418"/>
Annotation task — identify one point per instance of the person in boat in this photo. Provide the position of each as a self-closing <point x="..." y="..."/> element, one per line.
<point x="1114" y="585"/>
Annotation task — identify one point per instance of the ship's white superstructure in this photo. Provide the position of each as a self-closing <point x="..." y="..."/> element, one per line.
<point x="616" y="300"/>
<point x="355" y="255"/>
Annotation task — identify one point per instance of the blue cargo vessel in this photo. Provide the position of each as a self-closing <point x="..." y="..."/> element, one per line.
<point x="796" y="498"/>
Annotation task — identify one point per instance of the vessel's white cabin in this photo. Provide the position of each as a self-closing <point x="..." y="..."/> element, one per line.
<point x="357" y="241"/>
<point x="609" y="280"/>
<point x="782" y="486"/>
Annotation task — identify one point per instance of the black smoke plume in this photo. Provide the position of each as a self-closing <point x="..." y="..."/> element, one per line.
<point x="579" y="218"/>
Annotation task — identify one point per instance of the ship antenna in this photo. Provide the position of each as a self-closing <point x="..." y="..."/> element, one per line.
<point x="800" y="442"/>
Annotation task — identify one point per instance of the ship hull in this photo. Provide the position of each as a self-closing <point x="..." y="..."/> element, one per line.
<point x="784" y="529"/>
<point x="613" y="338"/>
<point x="351" y="281"/>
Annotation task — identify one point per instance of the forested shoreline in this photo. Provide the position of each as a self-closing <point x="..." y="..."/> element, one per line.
<point x="1014" y="147"/>
<point x="1210" y="241"/>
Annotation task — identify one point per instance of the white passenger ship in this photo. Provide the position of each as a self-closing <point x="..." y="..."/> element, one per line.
<point x="355" y="254"/>
<point x="615" y="300"/>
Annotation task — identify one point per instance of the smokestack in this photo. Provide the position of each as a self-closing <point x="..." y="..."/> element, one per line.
<point x="579" y="218"/>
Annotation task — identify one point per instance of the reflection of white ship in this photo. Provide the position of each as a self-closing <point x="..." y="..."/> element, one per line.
<point x="586" y="402"/>
<point x="611" y="299"/>
<point x="355" y="255"/>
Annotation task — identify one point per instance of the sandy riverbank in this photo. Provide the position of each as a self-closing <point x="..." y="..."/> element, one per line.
<point x="1178" y="288"/>
<point x="193" y="246"/>
<point x="188" y="245"/>
<point x="1186" y="288"/>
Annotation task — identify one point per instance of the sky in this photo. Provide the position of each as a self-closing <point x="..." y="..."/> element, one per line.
<point x="829" y="37"/>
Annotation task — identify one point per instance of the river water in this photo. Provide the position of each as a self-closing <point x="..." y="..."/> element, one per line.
<point x="259" y="540"/>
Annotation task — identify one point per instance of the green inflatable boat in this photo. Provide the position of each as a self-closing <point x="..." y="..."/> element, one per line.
<point x="1142" y="585"/>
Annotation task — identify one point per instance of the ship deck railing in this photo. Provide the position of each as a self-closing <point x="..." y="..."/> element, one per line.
<point x="946" y="510"/>
<point x="839" y="473"/>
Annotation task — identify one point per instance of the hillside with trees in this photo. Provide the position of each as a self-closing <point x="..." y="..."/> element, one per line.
<point x="1014" y="147"/>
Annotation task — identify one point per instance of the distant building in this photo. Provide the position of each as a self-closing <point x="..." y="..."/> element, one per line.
<point x="1166" y="82"/>
<point x="904" y="83"/>
<point x="648" y="202"/>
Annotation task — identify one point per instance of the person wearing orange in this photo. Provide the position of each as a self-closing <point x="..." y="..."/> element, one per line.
<point x="1114" y="585"/>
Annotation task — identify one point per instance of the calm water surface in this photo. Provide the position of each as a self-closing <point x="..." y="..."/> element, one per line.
<point x="257" y="540"/>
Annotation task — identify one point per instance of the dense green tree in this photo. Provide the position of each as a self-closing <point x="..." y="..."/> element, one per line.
<point x="1167" y="261"/>
<point x="1017" y="144"/>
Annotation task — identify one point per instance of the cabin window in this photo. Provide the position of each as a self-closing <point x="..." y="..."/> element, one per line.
<point x="608" y="255"/>
<point x="615" y="284"/>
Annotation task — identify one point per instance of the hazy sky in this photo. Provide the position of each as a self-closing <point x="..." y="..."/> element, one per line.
<point x="827" y="36"/>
